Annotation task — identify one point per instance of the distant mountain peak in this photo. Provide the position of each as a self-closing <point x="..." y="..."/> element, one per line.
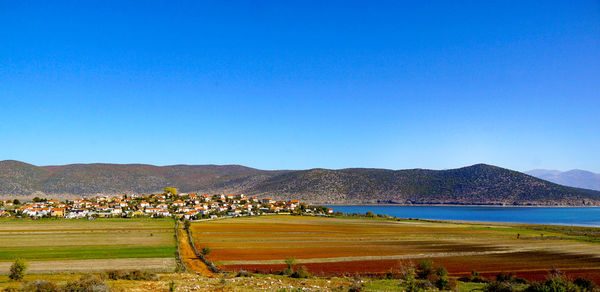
<point x="574" y="178"/>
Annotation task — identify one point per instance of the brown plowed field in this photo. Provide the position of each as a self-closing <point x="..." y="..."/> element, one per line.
<point x="349" y="246"/>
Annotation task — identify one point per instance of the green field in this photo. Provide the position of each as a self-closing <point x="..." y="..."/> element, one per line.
<point x="63" y="244"/>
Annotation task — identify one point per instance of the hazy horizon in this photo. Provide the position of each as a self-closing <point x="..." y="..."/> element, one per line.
<point x="250" y="166"/>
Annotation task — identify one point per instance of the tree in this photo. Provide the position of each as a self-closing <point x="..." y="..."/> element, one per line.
<point x="16" y="202"/>
<point x="171" y="190"/>
<point x="17" y="270"/>
<point x="290" y="262"/>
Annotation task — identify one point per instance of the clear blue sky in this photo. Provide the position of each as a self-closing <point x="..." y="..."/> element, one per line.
<point x="300" y="84"/>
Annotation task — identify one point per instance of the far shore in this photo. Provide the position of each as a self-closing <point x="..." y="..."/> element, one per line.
<point x="458" y="205"/>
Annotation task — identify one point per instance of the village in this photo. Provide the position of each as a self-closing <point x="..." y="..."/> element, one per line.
<point x="168" y="204"/>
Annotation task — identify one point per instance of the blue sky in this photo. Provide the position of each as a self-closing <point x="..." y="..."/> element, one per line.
<point x="301" y="84"/>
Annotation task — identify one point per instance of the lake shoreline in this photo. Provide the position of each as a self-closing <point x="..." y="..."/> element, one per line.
<point x="459" y="205"/>
<point x="554" y="215"/>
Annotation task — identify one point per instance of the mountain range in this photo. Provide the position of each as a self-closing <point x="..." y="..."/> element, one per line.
<point x="478" y="184"/>
<point x="574" y="178"/>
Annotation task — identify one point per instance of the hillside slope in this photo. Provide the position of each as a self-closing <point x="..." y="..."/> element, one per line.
<point x="477" y="184"/>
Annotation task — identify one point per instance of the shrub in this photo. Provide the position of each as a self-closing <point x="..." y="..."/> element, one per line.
<point x="17" y="270"/>
<point x="115" y="274"/>
<point x="506" y="277"/>
<point x="424" y="285"/>
<point x="139" y="275"/>
<point x="441" y="272"/>
<point x="356" y="286"/>
<point x="205" y="251"/>
<point x="442" y="283"/>
<point x="510" y="278"/>
<point x="453" y="284"/>
<point x="424" y="269"/>
<point x="410" y="285"/>
<point x="243" y="273"/>
<point x="136" y="275"/>
<point x="585" y="284"/>
<point x="40" y="286"/>
<point x="394" y="274"/>
<point x="301" y="273"/>
<point x="556" y="281"/>
<point x="408" y="277"/>
<point x="407" y="270"/>
<point x="498" y="287"/>
<point x="474" y="277"/>
<point x="88" y="283"/>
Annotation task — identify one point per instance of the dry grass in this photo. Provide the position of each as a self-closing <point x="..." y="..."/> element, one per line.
<point x="96" y="265"/>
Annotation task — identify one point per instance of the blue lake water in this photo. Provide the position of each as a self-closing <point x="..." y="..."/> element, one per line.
<point x="584" y="216"/>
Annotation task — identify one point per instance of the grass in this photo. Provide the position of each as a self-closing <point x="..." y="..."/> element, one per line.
<point x="382" y="285"/>
<point x="466" y="286"/>
<point x="64" y="242"/>
<point x="12" y="223"/>
<point x="85" y="252"/>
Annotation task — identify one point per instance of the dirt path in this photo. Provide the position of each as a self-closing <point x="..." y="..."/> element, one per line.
<point x="189" y="258"/>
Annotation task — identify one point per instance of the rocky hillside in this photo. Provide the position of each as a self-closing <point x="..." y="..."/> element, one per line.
<point x="477" y="184"/>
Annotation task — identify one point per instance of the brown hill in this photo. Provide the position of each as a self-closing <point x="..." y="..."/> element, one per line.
<point x="477" y="184"/>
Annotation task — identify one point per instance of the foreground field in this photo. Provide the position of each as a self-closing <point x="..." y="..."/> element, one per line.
<point x="192" y="282"/>
<point x="329" y="246"/>
<point x="51" y="246"/>
<point x="228" y="282"/>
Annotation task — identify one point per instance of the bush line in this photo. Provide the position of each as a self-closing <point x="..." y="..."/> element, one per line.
<point x="179" y="262"/>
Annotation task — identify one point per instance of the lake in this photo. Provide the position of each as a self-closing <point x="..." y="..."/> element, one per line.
<point x="578" y="216"/>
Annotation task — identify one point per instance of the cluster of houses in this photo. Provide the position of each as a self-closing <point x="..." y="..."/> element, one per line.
<point x="188" y="206"/>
